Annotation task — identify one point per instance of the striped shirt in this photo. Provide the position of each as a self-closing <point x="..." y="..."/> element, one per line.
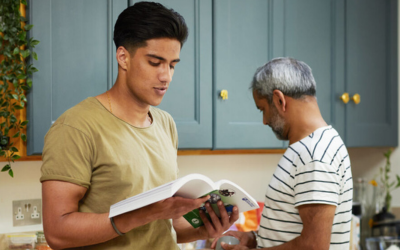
<point x="314" y="170"/>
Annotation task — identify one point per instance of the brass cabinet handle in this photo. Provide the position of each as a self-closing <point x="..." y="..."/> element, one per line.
<point x="345" y="98"/>
<point x="224" y="94"/>
<point x="356" y="98"/>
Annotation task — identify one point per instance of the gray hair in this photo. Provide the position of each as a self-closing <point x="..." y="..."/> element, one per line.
<point x="292" y="77"/>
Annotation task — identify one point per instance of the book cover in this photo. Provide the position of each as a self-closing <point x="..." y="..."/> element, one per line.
<point x="191" y="186"/>
<point x="230" y="194"/>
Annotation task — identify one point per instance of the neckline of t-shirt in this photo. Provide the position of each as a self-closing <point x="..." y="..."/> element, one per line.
<point x="109" y="112"/>
<point x="315" y="132"/>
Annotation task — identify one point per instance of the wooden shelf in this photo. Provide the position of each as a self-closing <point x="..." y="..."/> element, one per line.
<point x="231" y="151"/>
<point x="188" y="152"/>
<point x="25" y="158"/>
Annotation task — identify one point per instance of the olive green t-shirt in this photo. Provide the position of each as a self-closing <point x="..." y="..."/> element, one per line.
<point x="114" y="160"/>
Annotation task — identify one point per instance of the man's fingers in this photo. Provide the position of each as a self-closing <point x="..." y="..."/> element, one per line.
<point x="214" y="218"/>
<point x="223" y="213"/>
<point x="194" y="203"/>
<point x="207" y="224"/>
<point x="214" y="243"/>
<point x="235" y="215"/>
<point x="204" y="199"/>
<point x="228" y="233"/>
<point x="226" y="246"/>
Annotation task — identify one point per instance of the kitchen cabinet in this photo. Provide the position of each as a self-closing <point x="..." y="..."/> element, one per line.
<point x="371" y="61"/>
<point x="76" y="58"/>
<point x="312" y="31"/>
<point x="350" y="45"/>
<point x="188" y="99"/>
<point x="247" y="35"/>
<point x="242" y="43"/>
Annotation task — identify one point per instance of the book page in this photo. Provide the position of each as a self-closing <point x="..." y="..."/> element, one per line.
<point x="232" y="193"/>
<point x="193" y="186"/>
<point x="190" y="186"/>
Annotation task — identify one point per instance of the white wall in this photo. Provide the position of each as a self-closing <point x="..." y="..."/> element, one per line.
<point x="24" y="185"/>
<point x="252" y="172"/>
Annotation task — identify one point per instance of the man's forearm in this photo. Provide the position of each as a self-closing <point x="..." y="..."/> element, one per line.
<point x="78" y="229"/>
<point x="298" y="243"/>
<point x="65" y="227"/>
<point x="82" y="229"/>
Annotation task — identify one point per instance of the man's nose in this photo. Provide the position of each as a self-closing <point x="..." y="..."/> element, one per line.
<point x="166" y="74"/>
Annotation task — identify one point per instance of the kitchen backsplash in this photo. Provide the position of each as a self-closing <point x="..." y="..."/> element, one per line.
<point x="252" y="172"/>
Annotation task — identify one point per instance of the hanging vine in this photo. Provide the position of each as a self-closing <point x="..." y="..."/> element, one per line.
<point x="15" y="76"/>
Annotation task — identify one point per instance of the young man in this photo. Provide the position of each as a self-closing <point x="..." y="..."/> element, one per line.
<point x="309" y="199"/>
<point x="115" y="145"/>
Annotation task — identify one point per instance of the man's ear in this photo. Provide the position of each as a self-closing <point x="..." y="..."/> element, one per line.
<point x="279" y="99"/>
<point x="123" y="57"/>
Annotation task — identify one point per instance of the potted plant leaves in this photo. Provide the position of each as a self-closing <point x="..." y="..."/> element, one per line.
<point x="15" y="77"/>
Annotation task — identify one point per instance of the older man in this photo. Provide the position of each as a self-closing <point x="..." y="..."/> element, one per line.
<point x="309" y="199"/>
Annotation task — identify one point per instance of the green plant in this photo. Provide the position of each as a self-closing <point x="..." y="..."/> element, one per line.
<point x="15" y="75"/>
<point x="385" y="182"/>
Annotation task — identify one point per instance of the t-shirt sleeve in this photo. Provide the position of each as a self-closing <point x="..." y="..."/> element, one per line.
<point x="67" y="156"/>
<point x="174" y="137"/>
<point x="174" y="132"/>
<point x="316" y="183"/>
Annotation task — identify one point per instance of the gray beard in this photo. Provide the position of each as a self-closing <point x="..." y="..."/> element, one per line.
<point x="277" y="125"/>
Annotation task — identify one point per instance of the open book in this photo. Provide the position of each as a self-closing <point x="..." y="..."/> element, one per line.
<point x="191" y="186"/>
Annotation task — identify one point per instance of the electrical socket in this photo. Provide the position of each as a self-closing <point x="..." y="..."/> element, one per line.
<point x="19" y="215"/>
<point x="27" y="212"/>
<point x="35" y="214"/>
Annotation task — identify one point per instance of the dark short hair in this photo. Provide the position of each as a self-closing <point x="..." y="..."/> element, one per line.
<point x="148" y="20"/>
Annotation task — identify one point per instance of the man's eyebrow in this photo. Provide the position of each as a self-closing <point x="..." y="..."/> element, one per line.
<point x="162" y="58"/>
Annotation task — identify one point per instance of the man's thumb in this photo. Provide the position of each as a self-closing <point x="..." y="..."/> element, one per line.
<point x="226" y="246"/>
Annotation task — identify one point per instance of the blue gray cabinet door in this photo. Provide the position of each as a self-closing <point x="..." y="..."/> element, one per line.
<point x="75" y="58"/>
<point x="312" y="31"/>
<point x="248" y="34"/>
<point x="241" y="44"/>
<point x="188" y="99"/>
<point x="371" y="71"/>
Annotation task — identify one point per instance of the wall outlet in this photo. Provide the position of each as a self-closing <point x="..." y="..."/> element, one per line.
<point x="19" y="215"/>
<point x="27" y="212"/>
<point x="35" y="214"/>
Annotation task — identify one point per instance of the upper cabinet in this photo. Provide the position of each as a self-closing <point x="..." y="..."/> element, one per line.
<point x="242" y="43"/>
<point x="188" y="99"/>
<point x="351" y="47"/>
<point x="312" y="31"/>
<point x="75" y="58"/>
<point x="371" y="60"/>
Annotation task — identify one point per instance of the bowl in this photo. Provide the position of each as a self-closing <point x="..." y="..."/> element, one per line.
<point x="230" y="240"/>
<point x="383" y="243"/>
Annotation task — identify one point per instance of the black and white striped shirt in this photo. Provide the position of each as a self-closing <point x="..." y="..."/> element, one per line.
<point x="314" y="170"/>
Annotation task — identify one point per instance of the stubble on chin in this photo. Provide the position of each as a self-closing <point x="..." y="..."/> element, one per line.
<point x="278" y="125"/>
